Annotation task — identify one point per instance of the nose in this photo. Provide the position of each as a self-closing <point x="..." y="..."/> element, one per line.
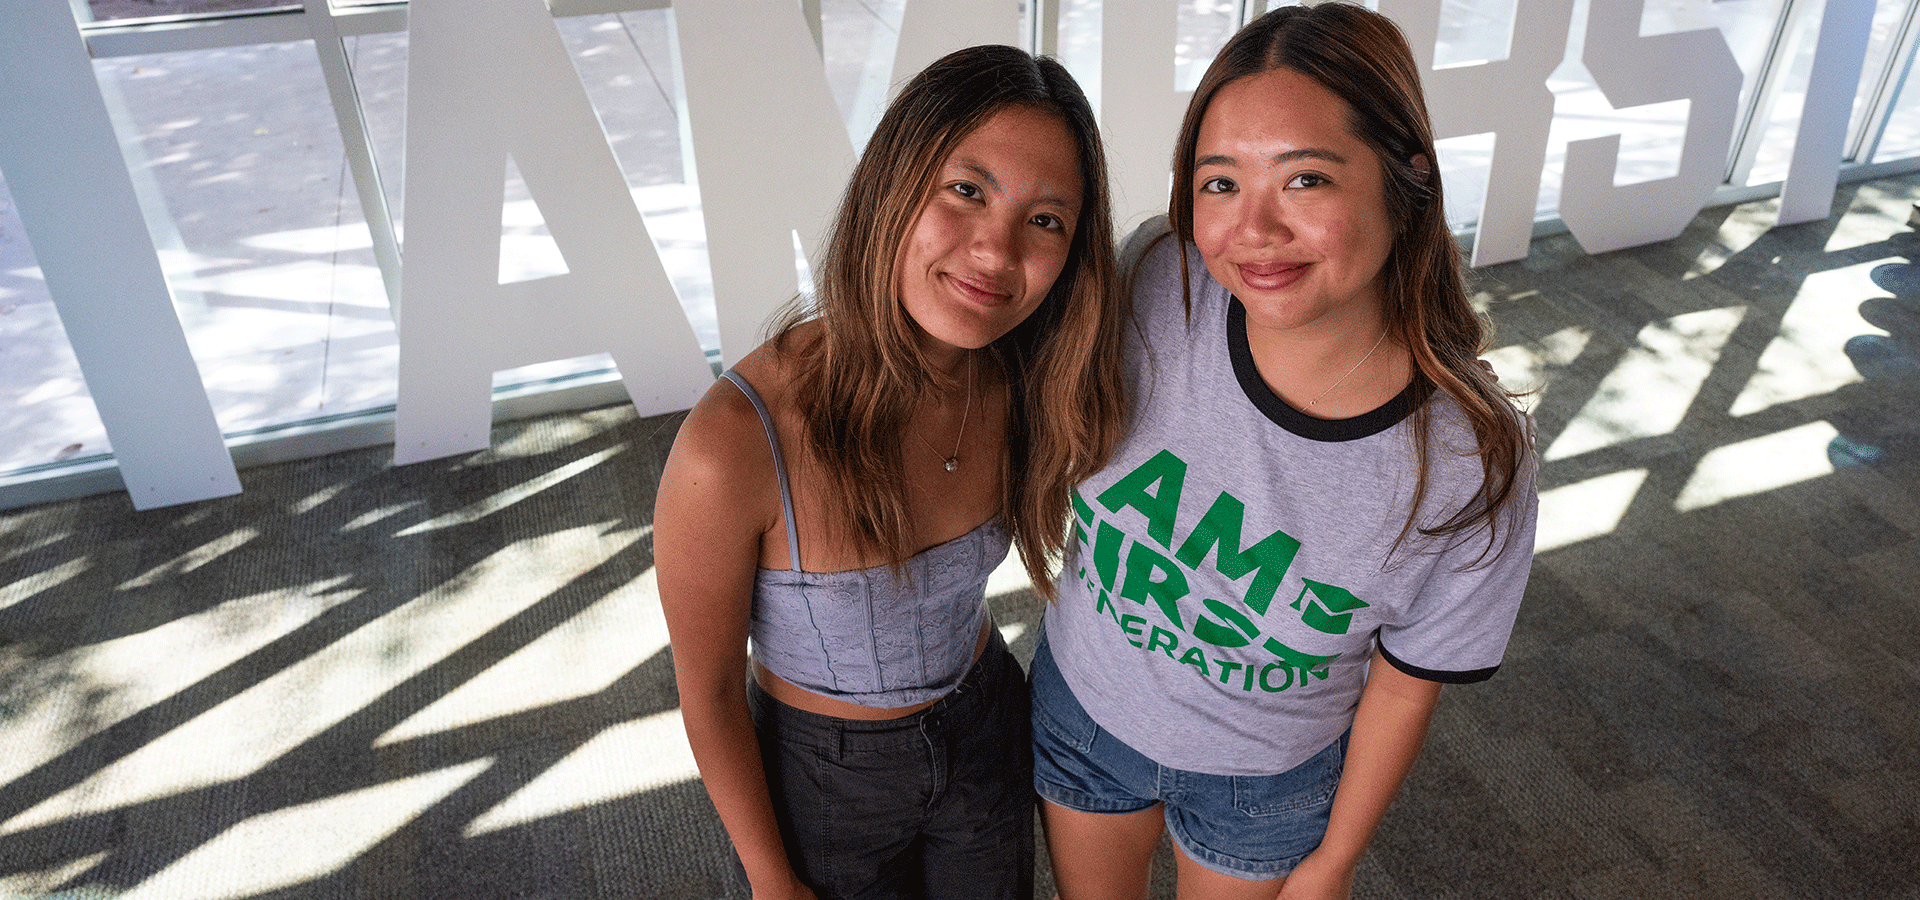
<point x="995" y="241"/>
<point x="1263" y="221"/>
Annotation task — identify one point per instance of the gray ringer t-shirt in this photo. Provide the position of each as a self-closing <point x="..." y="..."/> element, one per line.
<point x="1230" y="575"/>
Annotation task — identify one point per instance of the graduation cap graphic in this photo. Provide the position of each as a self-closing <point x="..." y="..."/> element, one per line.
<point x="1326" y="608"/>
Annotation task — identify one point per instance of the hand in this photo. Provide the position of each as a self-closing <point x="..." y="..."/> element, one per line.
<point x="1318" y="878"/>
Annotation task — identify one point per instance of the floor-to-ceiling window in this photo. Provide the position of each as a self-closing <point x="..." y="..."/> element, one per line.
<point x="253" y="156"/>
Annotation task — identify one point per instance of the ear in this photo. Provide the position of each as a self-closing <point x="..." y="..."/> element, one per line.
<point x="1421" y="165"/>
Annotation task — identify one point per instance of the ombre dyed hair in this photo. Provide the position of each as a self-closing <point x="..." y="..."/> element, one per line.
<point x="859" y="381"/>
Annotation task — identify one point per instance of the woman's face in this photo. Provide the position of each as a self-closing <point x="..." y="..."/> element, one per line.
<point x="1289" y="208"/>
<point x="993" y="233"/>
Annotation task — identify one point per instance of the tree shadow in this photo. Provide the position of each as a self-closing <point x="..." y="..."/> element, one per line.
<point x="1706" y="700"/>
<point x="1701" y="701"/>
<point x="241" y="569"/>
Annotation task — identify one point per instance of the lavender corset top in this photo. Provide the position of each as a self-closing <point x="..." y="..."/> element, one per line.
<point x="866" y="636"/>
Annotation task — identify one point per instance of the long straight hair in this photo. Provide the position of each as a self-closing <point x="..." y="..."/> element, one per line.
<point x="860" y="380"/>
<point x="1362" y="57"/>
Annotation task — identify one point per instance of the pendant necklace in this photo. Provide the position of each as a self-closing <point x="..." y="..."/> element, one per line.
<point x="951" y="463"/>
<point x="1356" y="367"/>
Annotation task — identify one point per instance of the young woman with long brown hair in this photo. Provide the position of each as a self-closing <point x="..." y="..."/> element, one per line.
<point x="841" y="497"/>
<point x="1323" y="509"/>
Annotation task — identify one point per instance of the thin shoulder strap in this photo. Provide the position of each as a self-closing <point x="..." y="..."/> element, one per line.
<point x="779" y="463"/>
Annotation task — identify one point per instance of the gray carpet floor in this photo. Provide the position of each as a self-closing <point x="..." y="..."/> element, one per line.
<point x="450" y="680"/>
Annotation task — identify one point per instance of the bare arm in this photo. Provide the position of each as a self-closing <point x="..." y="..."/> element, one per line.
<point x="709" y="518"/>
<point x="1389" y="729"/>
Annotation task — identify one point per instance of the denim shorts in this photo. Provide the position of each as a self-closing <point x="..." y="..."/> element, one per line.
<point x="935" y="805"/>
<point x="1256" y="827"/>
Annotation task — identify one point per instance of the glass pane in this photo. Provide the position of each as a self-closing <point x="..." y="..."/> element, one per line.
<point x="1783" y="118"/>
<point x="1203" y="28"/>
<point x="1079" y="48"/>
<point x="1902" y="137"/>
<point x="379" y="65"/>
<point x="238" y="157"/>
<point x="49" y="415"/>
<point x="1883" y="51"/>
<point x="1748" y="27"/>
<point x="1777" y="139"/>
<point x="858" y="39"/>
<point x="104" y="10"/>
<point x="1474" y="31"/>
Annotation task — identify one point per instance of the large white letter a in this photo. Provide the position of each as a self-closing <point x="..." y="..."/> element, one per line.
<point x="489" y="78"/>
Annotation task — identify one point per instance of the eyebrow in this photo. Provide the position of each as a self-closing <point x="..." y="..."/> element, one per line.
<point x="985" y="176"/>
<point x="1221" y="159"/>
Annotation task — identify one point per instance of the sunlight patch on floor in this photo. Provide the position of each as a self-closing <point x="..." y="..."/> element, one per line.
<point x="530" y="257"/>
<point x="1859" y="228"/>
<point x="292" y="846"/>
<point x="1807" y="357"/>
<point x="317" y="499"/>
<point x="1528" y="368"/>
<point x="53" y="389"/>
<point x="1650" y="391"/>
<point x="1759" y="465"/>
<point x="527" y="249"/>
<point x="1585" y="510"/>
<point x="297" y="703"/>
<point x="28" y="545"/>
<point x="22" y="885"/>
<point x="193" y="559"/>
<point x="549" y="437"/>
<point x="582" y="657"/>
<point x="127" y="674"/>
<point x="44" y="581"/>
<point x="374" y="516"/>
<point x="478" y="510"/>
<point x="1741" y="229"/>
<point x="627" y="759"/>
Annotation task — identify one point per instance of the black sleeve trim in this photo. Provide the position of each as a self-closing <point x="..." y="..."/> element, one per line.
<point x="1468" y="677"/>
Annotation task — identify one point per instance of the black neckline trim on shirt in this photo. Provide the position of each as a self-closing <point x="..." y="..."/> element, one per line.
<point x="1366" y="424"/>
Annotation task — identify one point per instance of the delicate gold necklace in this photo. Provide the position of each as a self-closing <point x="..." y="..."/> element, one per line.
<point x="952" y="462"/>
<point x="1356" y="367"/>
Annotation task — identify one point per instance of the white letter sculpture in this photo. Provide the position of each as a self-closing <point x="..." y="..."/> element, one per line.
<point x="1845" y="30"/>
<point x="1636" y="71"/>
<point x="1139" y="108"/>
<point x="77" y="205"/>
<point x="771" y="151"/>
<point x="488" y="79"/>
<point x="1509" y="98"/>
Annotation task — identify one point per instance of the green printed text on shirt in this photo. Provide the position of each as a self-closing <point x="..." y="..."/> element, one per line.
<point x="1153" y="571"/>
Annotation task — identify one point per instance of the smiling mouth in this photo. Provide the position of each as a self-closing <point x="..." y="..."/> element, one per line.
<point x="984" y="293"/>
<point x="1271" y="274"/>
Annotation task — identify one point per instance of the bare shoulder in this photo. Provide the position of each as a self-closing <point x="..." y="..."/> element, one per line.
<point x="721" y="467"/>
